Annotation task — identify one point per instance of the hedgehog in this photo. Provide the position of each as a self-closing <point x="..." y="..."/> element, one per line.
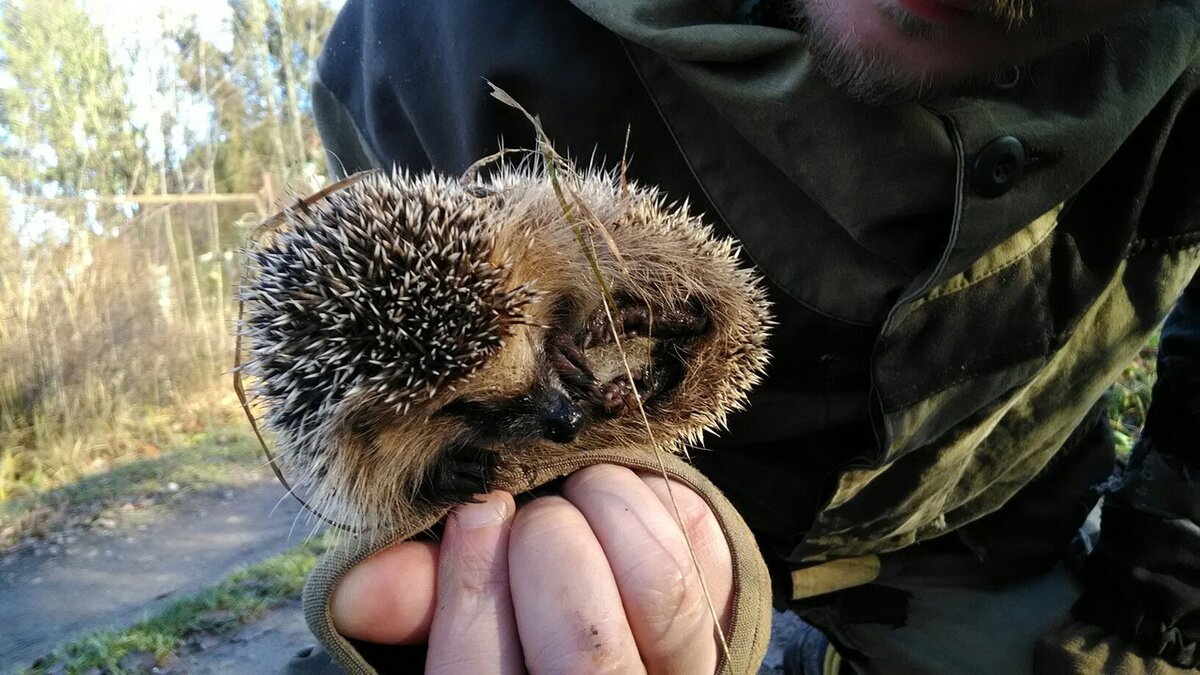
<point x="415" y="339"/>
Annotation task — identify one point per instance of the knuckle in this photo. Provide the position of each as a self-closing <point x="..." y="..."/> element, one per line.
<point x="480" y="579"/>
<point x="462" y="661"/>
<point x="473" y="567"/>
<point x="697" y="517"/>
<point x="693" y="509"/>
<point x="700" y="524"/>
<point x="595" y="661"/>
<point x="546" y="519"/>
<point x="588" y="648"/>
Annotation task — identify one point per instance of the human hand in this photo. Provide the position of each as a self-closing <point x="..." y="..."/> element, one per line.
<point x="597" y="580"/>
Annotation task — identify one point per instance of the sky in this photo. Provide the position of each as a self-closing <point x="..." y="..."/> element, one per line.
<point x="127" y="21"/>
<point x="136" y="27"/>
<point x="134" y="31"/>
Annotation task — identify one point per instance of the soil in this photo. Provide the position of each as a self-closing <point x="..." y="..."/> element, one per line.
<point x="260" y="647"/>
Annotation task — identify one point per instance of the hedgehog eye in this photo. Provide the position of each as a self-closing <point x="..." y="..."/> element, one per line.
<point x="487" y="419"/>
<point x="456" y="407"/>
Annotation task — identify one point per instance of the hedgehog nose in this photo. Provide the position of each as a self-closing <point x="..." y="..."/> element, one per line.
<point x="561" y="418"/>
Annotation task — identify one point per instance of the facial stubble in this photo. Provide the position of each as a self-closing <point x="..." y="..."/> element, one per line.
<point x="870" y="75"/>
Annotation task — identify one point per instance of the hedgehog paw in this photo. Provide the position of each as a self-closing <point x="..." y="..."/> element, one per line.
<point x="461" y="472"/>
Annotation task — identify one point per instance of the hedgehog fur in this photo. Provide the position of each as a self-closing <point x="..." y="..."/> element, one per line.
<point x="413" y="339"/>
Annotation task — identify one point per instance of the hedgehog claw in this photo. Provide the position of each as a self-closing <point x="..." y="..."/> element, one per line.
<point x="460" y="473"/>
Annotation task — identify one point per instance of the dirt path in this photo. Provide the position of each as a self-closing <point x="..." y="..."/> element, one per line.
<point x="116" y="574"/>
<point x="263" y="646"/>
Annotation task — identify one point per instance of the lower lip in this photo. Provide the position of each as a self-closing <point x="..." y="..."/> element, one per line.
<point x="933" y="11"/>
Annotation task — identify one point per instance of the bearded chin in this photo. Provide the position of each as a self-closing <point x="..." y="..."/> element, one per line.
<point x="874" y="77"/>
<point x="871" y="78"/>
<point x="866" y="77"/>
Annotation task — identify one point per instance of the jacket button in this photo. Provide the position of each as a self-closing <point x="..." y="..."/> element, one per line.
<point x="998" y="166"/>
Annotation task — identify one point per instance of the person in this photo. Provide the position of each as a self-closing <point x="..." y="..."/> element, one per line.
<point x="971" y="214"/>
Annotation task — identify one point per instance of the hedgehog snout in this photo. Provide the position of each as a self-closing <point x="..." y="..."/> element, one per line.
<point x="546" y="412"/>
<point x="561" y="418"/>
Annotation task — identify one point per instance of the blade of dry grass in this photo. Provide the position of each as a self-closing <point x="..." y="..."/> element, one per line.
<point x="553" y="162"/>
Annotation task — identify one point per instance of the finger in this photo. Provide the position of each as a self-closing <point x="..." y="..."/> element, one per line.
<point x="663" y="596"/>
<point x="706" y="536"/>
<point x="568" y="610"/>
<point x="389" y="597"/>
<point x="474" y="630"/>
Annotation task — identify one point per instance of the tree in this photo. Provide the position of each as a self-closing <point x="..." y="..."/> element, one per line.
<point x="275" y="45"/>
<point x="65" y="106"/>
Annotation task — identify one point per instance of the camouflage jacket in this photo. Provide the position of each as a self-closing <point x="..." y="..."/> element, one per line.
<point x="1071" y="193"/>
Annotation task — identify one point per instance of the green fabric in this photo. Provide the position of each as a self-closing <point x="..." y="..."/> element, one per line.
<point x="338" y="130"/>
<point x="957" y="619"/>
<point x="966" y="416"/>
<point x="943" y="482"/>
<point x="1080" y="648"/>
<point x="763" y="81"/>
<point x="750" y="622"/>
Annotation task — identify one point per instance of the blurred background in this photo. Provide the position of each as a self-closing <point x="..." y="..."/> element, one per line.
<point x="140" y="530"/>
<point x="139" y="143"/>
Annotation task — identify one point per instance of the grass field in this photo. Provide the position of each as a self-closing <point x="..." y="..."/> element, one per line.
<point x="1130" y="398"/>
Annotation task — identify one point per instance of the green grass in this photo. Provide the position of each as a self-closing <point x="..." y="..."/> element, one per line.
<point x="238" y="599"/>
<point x="200" y="461"/>
<point x="1131" y="398"/>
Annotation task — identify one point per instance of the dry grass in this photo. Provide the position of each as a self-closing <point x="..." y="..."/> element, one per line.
<point x="111" y="346"/>
<point x="219" y="458"/>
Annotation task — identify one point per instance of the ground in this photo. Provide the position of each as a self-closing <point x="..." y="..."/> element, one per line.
<point x="138" y="559"/>
<point x="259" y="647"/>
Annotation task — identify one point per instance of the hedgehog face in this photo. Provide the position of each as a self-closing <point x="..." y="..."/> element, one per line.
<point x="589" y="368"/>
<point x="415" y="342"/>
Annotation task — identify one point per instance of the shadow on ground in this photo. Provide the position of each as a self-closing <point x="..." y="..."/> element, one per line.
<point x="114" y="576"/>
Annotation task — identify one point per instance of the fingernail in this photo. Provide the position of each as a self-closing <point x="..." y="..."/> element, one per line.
<point x="489" y="510"/>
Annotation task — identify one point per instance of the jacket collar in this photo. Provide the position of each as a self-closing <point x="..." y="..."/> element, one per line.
<point x="762" y="80"/>
<point x="1072" y="113"/>
<point x="863" y="165"/>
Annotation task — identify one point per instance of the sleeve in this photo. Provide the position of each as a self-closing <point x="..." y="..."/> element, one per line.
<point x="346" y="152"/>
<point x="406" y="85"/>
<point x="1142" y="581"/>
